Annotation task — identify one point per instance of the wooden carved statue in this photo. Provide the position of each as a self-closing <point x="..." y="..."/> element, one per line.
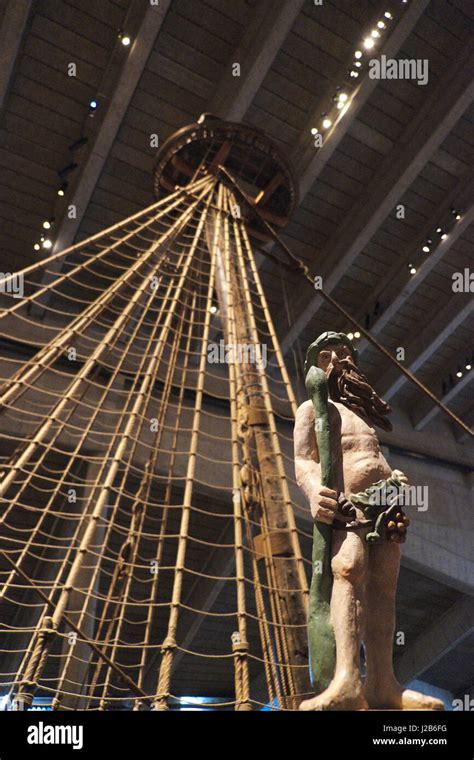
<point x="358" y="528"/>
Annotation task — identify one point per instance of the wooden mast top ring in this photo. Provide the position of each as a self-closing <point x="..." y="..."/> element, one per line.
<point x="253" y="160"/>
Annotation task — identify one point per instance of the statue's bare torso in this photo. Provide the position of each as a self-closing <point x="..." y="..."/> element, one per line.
<point x="357" y="460"/>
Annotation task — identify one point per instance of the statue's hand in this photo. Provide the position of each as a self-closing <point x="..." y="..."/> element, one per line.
<point x="324" y="505"/>
<point x="400" y="476"/>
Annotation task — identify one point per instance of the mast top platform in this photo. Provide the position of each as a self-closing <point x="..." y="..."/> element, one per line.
<point x="252" y="159"/>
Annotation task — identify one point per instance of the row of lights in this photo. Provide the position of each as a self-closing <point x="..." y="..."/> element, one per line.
<point x="355" y="335"/>
<point x="341" y="98"/>
<point x="467" y="367"/>
<point x="369" y="43"/>
<point x="462" y="368"/>
<point x="429" y="242"/>
<point x="45" y="241"/>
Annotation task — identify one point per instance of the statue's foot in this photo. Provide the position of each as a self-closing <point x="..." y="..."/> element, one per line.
<point x="397" y="698"/>
<point x="337" y="697"/>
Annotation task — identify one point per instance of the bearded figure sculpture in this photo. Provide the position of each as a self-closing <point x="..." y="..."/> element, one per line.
<point x="358" y="528"/>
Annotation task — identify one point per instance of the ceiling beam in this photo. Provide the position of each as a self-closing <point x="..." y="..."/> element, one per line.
<point x="422" y="273"/>
<point x="439" y="639"/>
<point x="152" y="21"/>
<point x="255" y="54"/>
<point x="13" y="27"/>
<point x="420" y="139"/>
<point x="466" y="414"/>
<point x="340" y="128"/>
<point x="426" y="411"/>
<point x="422" y="348"/>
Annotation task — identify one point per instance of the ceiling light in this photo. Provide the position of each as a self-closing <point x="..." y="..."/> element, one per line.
<point x="388" y="15"/>
<point x="438" y="229"/>
<point x="61" y="191"/>
<point x="368" y="43"/>
<point x="36" y="246"/>
<point x="358" y="54"/>
<point x="354" y="74"/>
<point x="213" y="309"/>
<point x="459" y="373"/>
<point x="343" y="97"/>
<point x="327" y="123"/>
<point x="444" y="236"/>
<point x="468" y="366"/>
<point x="426" y="249"/>
<point x="458" y="217"/>
<point x="125" y="40"/>
<point x="93" y="104"/>
<point x="375" y="33"/>
<point x="412" y="269"/>
<point x="358" y="64"/>
<point x="350" y="336"/>
<point x="380" y="24"/>
<point x="314" y="131"/>
<point x="46" y="225"/>
<point x="357" y="334"/>
<point x="47" y="243"/>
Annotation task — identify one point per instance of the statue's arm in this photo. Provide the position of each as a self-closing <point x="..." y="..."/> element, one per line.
<point x="322" y="501"/>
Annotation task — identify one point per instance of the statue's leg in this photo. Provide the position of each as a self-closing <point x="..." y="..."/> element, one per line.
<point x="382" y="688"/>
<point x="349" y="567"/>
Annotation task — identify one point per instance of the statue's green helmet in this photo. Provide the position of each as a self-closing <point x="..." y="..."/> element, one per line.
<point x="328" y="338"/>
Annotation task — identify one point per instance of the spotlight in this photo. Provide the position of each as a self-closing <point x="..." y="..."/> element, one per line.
<point x="375" y="33"/>
<point x="314" y="131"/>
<point x="213" y="309"/>
<point x="388" y="15"/>
<point x="343" y="97"/>
<point x="369" y="43"/>
<point x="340" y="104"/>
<point x="429" y="241"/>
<point x="426" y="249"/>
<point x="357" y="334"/>
<point x="36" y="246"/>
<point x="354" y="74"/>
<point x="412" y="269"/>
<point x="444" y="236"/>
<point x="358" y="64"/>
<point x="46" y="225"/>
<point x="61" y="192"/>
<point x="327" y="123"/>
<point x="468" y="366"/>
<point x="458" y="217"/>
<point x="380" y="24"/>
<point x="459" y="373"/>
<point x="125" y="39"/>
<point x="358" y="54"/>
<point x="438" y="229"/>
<point x="93" y="104"/>
<point x="350" y="336"/>
<point x="47" y="243"/>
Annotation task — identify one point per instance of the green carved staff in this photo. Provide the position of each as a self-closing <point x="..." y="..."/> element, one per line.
<point x="321" y="642"/>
